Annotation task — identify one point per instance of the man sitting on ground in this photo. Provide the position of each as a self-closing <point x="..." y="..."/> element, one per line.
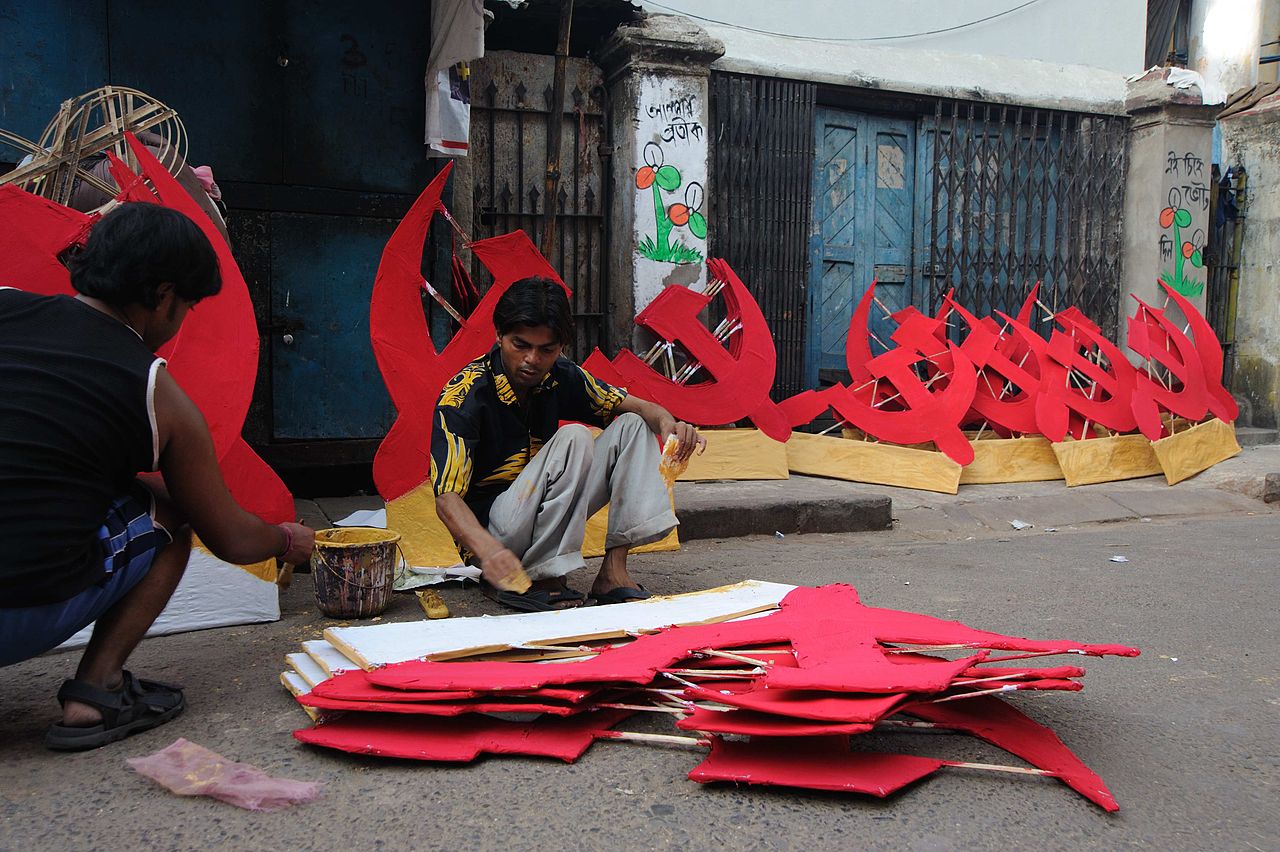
<point x="515" y="489"/>
<point x="86" y="405"/>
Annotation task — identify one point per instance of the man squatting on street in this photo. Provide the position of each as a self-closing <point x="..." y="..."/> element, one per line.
<point x="515" y="489"/>
<point x="85" y="405"/>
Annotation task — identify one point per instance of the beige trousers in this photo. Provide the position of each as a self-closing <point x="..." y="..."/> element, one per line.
<point x="542" y="516"/>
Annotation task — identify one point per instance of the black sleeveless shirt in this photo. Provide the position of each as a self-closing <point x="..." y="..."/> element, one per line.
<point x="76" y="427"/>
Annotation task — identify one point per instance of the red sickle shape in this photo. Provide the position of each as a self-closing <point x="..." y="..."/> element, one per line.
<point x="413" y="370"/>
<point x="857" y="343"/>
<point x="930" y="416"/>
<point x="987" y="346"/>
<point x="1221" y="403"/>
<point x="741" y="375"/>
<point x="214" y="357"/>
<point x="1055" y="401"/>
<point x="1154" y="337"/>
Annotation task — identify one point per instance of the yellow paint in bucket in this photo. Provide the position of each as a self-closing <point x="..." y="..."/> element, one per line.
<point x="353" y="569"/>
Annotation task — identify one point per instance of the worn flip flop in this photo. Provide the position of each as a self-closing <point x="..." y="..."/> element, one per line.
<point x="138" y="705"/>
<point x="534" y="600"/>
<point x="622" y="594"/>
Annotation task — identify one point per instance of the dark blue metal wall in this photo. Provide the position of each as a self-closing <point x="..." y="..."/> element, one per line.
<point x="311" y="115"/>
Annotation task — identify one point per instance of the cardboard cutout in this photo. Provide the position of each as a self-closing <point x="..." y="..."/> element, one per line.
<point x="741" y="375"/>
<point x="1108" y="401"/>
<point x="1221" y="404"/>
<point x="460" y="739"/>
<point x="412" y="369"/>
<point x="1154" y="337"/>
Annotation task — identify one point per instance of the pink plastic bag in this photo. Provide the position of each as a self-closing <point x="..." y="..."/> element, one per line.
<point x="192" y="770"/>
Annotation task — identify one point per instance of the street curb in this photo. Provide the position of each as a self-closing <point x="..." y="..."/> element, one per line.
<point x="832" y="515"/>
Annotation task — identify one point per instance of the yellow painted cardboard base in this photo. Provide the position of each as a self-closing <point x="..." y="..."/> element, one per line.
<point x="737" y="454"/>
<point x="427" y="543"/>
<point x="1026" y="459"/>
<point x="424" y="540"/>
<point x="865" y="461"/>
<point x="1184" y="454"/>
<point x="1106" y="459"/>
<point x="264" y="570"/>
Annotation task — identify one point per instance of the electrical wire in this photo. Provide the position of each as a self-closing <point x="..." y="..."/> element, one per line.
<point x="819" y="38"/>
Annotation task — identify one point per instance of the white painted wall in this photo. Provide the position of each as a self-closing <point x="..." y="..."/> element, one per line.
<point x="671" y="141"/>
<point x="1223" y="47"/>
<point x="1106" y="34"/>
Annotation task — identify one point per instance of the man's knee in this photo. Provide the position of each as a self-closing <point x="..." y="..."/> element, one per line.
<point x="575" y="438"/>
<point x="630" y="428"/>
<point x="630" y="420"/>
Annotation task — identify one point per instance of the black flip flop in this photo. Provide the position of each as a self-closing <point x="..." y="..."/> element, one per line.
<point x="622" y="594"/>
<point x="534" y="600"/>
<point x="138" y="705"/>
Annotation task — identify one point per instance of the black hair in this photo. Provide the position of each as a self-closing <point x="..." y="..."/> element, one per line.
<point x="535" y="301"/>
<point x="137" y="247"/>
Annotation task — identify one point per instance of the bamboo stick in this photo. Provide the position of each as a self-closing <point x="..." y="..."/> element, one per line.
<point x="716" y="673"/>
<point x="729" y="655"/>
<point x="646" y="708"/>
<point x="665" y="739"/>
<point x="440" y="300"/>
<point x="999" y="767"/>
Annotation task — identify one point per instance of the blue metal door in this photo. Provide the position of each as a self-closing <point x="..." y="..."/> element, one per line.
<point x="862" y="229"/>
<point x="326" y="382"/>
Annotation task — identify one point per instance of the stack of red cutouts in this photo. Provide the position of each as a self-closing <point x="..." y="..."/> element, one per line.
<point x="780" y="699"/>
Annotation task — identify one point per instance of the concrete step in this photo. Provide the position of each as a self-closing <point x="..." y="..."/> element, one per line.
<point x="1253" y="436"/>
<point x="801" y="504"/>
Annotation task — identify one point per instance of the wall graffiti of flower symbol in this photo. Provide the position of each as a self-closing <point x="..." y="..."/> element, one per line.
<point x="659" y="177"/>
<point x="1177" y="217"/>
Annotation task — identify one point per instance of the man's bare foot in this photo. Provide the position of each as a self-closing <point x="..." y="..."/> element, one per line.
<point x="613" y="573"/>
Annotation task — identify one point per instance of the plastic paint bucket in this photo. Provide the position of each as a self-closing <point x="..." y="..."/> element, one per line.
<point x="353" y="569"/>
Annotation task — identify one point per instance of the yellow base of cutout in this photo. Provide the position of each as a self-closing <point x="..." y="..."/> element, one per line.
<point x="264" y="570"/>
<point x="1106" y="459"/>
<point x="737" y="454"/>
<point x="865" y="461"/>
<point x="995" y="460"/>
<point x="426" y="541"/>
<point x="1184" y="454"/>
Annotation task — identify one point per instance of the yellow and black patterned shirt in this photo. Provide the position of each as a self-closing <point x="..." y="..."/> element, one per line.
<point x="483" y="437"/>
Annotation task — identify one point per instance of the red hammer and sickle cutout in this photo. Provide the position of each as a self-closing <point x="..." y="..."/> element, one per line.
<point x="741" y="375"/>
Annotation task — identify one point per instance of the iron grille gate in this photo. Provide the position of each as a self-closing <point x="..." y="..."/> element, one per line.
<point x="1226" y="232"/>
<point x="1020" y="195"/>
<point x="761" y="162"/>
<point x="511" y="105"/>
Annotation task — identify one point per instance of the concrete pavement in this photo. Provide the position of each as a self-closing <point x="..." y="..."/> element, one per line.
<point x="1185" y="735"/>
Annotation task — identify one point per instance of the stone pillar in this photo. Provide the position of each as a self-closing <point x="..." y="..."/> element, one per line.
<point x="656" y="71"/>
<point x="1249" y="141"/>
<point x="1166" y="203"/>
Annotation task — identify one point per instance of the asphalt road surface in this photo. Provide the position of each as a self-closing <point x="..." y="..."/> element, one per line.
<point x="1187" y="735"/>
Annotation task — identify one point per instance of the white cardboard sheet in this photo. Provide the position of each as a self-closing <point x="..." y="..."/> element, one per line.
<point x="307" y="668"/>
<point x="328" y="657"/>
<point x="211" y="593"/>
<point x="293" y="682"/>
<point x="377" y="645"/>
